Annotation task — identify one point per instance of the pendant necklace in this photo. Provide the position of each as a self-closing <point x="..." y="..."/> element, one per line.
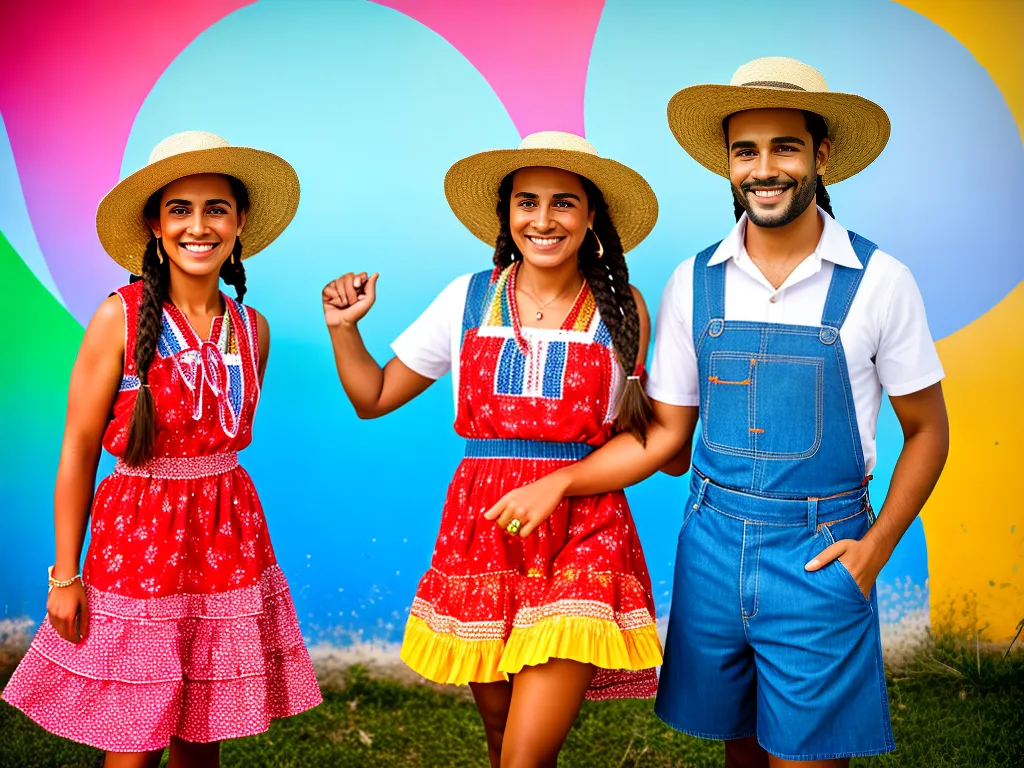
<point x="541" y="307"/>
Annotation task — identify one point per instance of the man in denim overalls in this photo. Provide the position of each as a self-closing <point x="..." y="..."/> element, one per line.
<point x="780" y="338"/>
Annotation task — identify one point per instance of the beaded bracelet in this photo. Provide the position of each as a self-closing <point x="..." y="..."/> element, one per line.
<point x="60" y="582"/>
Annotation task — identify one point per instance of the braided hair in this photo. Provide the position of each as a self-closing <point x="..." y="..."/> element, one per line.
<point x="232" y="272"/>
<point x="156" y="279"/>
<point x="818" y="129"/>
<point x="608" y="278"/>
<point x="156" y="276"/>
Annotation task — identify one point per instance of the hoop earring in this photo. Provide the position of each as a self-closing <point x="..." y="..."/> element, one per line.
<point x="600" y="248"/>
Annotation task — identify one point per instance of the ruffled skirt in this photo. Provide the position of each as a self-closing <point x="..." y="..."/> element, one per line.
<point x="577" y="588"/>
<point x="192" y="631"/>
<point x="198" y="667"/>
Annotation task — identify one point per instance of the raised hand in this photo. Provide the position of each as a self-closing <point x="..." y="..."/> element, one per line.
<point x="348" y="298"/>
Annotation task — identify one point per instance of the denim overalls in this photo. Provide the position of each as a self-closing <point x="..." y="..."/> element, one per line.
<point x="756" y="644"/>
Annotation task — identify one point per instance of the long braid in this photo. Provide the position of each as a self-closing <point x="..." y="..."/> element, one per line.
<point x="142" y="425"/>
<point x="233" y="273"/>
<point x="608" y="278"/>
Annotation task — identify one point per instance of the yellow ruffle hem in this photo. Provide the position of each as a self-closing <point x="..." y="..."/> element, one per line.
<point x="447" y="658"/>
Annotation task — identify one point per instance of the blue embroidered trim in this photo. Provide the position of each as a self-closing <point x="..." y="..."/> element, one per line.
<point x="526" y="449"/>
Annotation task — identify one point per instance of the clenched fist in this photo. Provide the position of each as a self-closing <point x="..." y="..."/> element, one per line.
<point x="348" y="298"/>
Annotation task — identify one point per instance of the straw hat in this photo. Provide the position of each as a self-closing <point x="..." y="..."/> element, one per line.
<point x="272" y="184"/>
<point x="471" y="185"/>
<point x="858" y="128"/>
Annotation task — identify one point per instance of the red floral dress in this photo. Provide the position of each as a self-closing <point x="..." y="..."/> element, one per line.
<point x="192" y="631"/>
<point x="529" y="401"/>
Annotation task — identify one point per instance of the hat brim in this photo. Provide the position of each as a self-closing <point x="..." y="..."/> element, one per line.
<point x="858" y="128"/>
<point x="471" y="186"/>
<point x="272" y="184"/>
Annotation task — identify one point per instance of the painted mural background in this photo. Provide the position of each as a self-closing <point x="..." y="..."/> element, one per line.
<point x="371" y="102"/>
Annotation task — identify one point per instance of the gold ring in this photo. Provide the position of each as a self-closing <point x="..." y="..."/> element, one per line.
<point x="514" y="526"/>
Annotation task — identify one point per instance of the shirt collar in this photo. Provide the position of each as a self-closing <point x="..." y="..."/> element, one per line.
<point x="833" y="246"/>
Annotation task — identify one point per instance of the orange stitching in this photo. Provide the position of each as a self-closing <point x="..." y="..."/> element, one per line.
<point x="834" y="495"/>
<point x="716" y="380"/>
<point x="841" y="520"/>
<point x="758" y="431"/>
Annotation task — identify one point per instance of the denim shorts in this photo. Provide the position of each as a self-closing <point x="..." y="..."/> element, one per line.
<point x="757" y="645"/>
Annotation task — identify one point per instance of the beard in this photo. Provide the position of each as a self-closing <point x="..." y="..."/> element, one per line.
<point x="804" y="195"/>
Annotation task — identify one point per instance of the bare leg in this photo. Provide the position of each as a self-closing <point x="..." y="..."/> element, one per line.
<point x="777" y="762"/>
<point x="545" y="702"/>
<point x="493" y="700"/>
<point x="190" y="754"/>
<point x="745" y="753"/>
<point x="132" y="759"/>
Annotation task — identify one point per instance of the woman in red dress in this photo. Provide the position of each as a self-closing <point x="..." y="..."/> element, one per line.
<point x="180" y="629"/>
<point x="545" y="352"/>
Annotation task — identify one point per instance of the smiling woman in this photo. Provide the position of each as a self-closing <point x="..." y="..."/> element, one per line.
<point x="200" y="218"/>
<point x="182" y="215"/>
<point x="547" y="230"/>
<point x="167" y="379"/>
<point x="534" y="613"/>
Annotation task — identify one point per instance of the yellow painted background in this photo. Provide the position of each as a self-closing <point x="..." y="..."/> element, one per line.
<point x="974" y="522"/>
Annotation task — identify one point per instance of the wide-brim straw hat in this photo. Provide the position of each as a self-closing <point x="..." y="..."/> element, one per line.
<point x="272" y="184"/>
<point x="857" y="128"/>
<point x="471" y="185"/>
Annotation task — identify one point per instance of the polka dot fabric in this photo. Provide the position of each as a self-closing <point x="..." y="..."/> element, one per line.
<point x="577" y="587"/>
<point x="193" y="633"/>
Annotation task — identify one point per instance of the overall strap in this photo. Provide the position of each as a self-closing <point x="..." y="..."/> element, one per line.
<point x="708" y="293"/>
<point x="476" y="301"/>
<point x="844" y="285"/>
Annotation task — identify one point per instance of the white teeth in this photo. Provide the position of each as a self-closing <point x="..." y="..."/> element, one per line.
<point x="197" y="247"/>
<point x="545" y="240"/>
<point x="768" y="192"/>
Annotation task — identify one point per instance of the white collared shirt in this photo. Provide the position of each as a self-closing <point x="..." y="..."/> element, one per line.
<point x="885" y="337"/>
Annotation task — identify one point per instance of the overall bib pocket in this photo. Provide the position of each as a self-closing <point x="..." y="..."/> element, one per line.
<point x="781" y="396"/>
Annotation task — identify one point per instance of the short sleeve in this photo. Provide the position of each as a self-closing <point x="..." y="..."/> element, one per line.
<point x="906" y="360"/>
<point x="429" y="346"/>
<point x="673" y="376"/>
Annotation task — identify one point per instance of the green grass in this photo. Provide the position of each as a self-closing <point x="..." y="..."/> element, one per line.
<point x="955" y="706"/>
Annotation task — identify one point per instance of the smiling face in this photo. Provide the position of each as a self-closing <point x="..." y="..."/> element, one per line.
<point x="773" y="164"/>
<point x="549" y="215"/>
<point x="198" y="222"/>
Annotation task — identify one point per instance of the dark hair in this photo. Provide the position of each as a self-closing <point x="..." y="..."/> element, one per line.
<point x="156" y="275"/>
<point x="818" y="129"/>
<point x="608" y="278"/>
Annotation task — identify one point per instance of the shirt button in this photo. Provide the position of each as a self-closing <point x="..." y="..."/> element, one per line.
<point x="773" y="298"/>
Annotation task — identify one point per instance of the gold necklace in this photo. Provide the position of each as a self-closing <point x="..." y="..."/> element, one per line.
<point x="541" y="307"/>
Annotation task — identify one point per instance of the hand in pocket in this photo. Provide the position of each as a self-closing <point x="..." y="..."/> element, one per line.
<point x="858" y="557"/>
